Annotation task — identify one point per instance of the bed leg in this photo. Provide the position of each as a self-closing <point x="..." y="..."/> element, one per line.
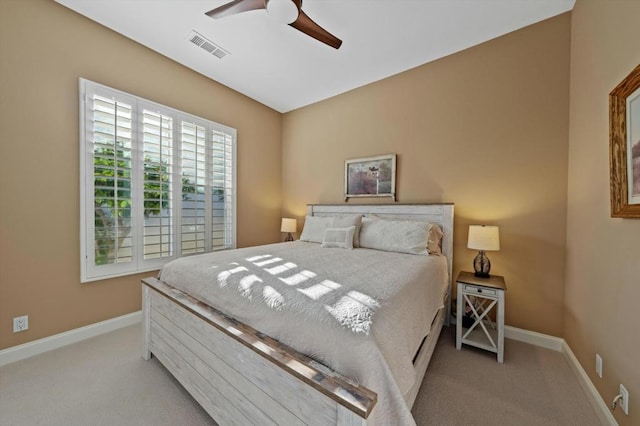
<point x="447" y="318"/>
<point x="146" y="322"/>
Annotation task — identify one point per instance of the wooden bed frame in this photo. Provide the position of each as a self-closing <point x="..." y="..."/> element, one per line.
<point x="240" y="376"/>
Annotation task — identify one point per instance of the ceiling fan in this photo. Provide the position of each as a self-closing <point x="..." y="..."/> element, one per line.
<point x="287" y="11"/>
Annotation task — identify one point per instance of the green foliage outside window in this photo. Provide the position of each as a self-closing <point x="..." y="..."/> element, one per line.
<point x="112" y="197"/>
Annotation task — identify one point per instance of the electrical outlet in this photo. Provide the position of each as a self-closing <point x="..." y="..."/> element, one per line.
<point x="20" y="323"/>
<point x="599" y="365"/>
<point x="624" y="403"/>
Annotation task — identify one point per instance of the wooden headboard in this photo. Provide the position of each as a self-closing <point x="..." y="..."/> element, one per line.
<point x="442" y="214"/>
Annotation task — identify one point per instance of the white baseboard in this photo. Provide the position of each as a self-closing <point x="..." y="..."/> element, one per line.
<point x="601" y="407"/>
<point x="560" y="345"/>
<point x="27" y="350"/>
<point x="534" y="338"/>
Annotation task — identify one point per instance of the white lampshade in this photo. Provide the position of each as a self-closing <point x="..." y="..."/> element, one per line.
<point x="283" y="11"/>
<point x="288" y="225"/>
<point x="483" y="237"/>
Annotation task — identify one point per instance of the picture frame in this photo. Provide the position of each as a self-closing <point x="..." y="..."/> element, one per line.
<point x="624" y="147"/>
<point x="370" y="177"/>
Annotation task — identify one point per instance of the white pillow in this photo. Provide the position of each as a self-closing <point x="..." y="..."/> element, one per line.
<point x="339" y="237"/>
<point x="347" y="220"/>
<point x="400" y="236"/>
<point x="314" y="227"/>
<point x="435" y="234"/>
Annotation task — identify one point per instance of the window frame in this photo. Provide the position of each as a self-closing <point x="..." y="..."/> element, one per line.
<point x="89" y="271"/>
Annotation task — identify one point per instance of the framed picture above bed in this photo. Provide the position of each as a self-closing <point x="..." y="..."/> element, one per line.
<point x="624" y="146"/>
<point x="370" y="177"/>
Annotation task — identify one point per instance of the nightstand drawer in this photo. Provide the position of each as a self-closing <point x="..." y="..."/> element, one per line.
<point x="479" y="290"/>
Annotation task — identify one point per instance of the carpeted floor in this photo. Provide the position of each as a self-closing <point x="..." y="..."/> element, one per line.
<point x="104" y="381"/>
<point x="534" y="386"/>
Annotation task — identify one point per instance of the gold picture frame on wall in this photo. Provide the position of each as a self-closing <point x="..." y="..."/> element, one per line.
<point x="624" y="146"/>
<point x="370" y="177"/>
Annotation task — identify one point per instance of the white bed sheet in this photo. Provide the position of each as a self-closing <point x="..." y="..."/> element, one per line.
<point x="361" y="312"/>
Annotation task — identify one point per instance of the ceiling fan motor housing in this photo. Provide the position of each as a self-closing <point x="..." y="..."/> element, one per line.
<point x="284" y="11"/>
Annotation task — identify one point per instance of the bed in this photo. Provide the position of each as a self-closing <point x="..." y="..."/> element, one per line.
<point x="235" y="368"/>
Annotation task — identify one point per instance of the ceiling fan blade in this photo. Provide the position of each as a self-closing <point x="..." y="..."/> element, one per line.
<point x="236" y="6"/>
<point x="310" y="28"/>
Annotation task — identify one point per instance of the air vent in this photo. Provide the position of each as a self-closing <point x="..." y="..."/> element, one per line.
<point x="202" y="42"/>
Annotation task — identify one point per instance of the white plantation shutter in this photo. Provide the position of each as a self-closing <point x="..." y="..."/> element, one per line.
<point x="156" y="184"/>
<point x="157" y="142"/>
<point x="112" y="178"/>
<point x="108" y="172"/>
<point x="194" y="203"/>
<point x="223" y="190"/>
<point x="207" y="172"/>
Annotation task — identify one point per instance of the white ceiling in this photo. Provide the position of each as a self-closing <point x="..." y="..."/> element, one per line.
<point x="285" y="69"/>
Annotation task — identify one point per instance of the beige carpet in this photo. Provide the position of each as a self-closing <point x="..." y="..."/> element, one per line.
<point x="103" y="381"/>
<point x="534" y="386"/>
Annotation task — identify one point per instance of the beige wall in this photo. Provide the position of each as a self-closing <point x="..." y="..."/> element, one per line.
<point x="603" y="254"/>
<point x="487" y="129"/>
<point x="44" y="49"/>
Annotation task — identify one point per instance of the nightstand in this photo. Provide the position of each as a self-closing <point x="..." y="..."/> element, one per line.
<point x="481" y="295"/>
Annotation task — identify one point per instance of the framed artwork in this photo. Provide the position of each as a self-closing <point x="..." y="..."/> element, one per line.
<point x="370" y="177"/>
<point x="624" y="146"/>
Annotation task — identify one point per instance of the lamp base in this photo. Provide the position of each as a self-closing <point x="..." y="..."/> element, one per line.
<point x="289" y="237"/>
<point x="481" y="265"/>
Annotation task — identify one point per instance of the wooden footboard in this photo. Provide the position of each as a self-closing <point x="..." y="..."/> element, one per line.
<point x="239" y="375"/>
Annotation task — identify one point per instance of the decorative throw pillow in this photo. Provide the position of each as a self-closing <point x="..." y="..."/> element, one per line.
<point x="435" y="239"/>
<point x="344" y="221"/>
<point x="400" y="236"/>
<point x="339" y="237"/>
<point x="314" y="227"/>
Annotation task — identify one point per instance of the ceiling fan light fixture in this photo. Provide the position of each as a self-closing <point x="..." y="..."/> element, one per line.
<point x="283" y="11"/>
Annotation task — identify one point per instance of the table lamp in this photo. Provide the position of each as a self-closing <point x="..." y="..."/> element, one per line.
<point x="288" y="225"/>
<point x="483" y="238"/>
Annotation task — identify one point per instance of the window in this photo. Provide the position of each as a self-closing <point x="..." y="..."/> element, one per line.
<point x="156" y="184"/>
